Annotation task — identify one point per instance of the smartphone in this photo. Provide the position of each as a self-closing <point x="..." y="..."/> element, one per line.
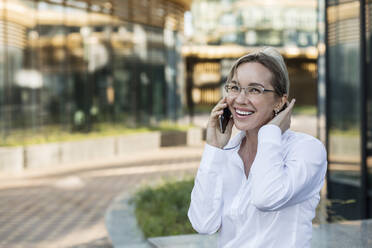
<point x="224" y="119"/>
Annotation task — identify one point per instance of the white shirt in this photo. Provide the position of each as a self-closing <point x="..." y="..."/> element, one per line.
<point x="275" y="206"/>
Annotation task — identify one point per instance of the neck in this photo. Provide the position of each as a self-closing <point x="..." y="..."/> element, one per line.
<point x="251" y="139"/>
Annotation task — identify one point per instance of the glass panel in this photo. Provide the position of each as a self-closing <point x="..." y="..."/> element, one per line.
<point x="100" y="63"/>
<point x="344" y="110"/>
<point x="369" y="97"/>
<point x="78" y="33"/>
<point x="139" y="73"/>
<point x="52" y="64"/>
<point x="122" y="47"/>
<point x="20" y="79"/>
<point x="157" y="60"/>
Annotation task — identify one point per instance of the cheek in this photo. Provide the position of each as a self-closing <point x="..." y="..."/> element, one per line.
<point x="265" y="108"/>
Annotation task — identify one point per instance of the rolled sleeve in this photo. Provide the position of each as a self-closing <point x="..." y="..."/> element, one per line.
<point x="279" y="182"/>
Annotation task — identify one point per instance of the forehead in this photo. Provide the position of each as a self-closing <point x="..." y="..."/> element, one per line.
<point x="253" y="72"/>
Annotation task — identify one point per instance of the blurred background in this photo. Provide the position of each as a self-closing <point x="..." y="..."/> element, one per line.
<point x="73" y="64"/>
<point x="78" y="70"/>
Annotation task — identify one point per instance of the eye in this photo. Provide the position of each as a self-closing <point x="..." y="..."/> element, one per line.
<point x="254" y="90"/>
<point x="234" y="88"/>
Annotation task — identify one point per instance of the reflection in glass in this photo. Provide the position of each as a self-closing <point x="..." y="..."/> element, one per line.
<point x="369" y="97"/>
<point x="69" y="65"/>
<point x="344" y="110"/>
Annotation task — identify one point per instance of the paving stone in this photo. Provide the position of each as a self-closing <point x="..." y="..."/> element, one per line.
<point x="37" y="210"/>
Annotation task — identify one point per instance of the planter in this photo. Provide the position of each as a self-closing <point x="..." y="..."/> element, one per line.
<point x="173" y="138"/>
<point x="52" y="154"/>
<point x="11" y="159"/>
<point x="137" y="142"/>
<point x="194" y="136"/>
<point x="80" y="151"/>
<point x="43" y="155"/>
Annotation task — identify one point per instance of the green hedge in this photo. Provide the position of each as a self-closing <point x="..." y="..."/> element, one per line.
<point x="162" y="211"/>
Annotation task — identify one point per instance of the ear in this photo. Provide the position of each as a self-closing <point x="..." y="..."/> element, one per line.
<point x="281" y="102"/>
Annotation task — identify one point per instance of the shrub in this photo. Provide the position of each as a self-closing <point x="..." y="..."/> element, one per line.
<point x="162" y="211"/>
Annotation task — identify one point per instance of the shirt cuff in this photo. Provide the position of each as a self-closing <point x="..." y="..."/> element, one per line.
<point x="212" y="160"/>
<point x="270" y="133"/>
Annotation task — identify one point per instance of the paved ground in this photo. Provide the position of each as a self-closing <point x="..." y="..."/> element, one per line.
<point x="65" y="207"/>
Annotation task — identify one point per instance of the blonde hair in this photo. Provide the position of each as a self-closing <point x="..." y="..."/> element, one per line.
<point x="273" y="61"/>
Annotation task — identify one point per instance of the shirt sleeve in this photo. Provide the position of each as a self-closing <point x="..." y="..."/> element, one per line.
<point x="278" y="183"/>
<point x="205" y="209"/>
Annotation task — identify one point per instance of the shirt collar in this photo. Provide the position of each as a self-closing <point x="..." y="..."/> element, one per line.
<point x="237" y="140"/>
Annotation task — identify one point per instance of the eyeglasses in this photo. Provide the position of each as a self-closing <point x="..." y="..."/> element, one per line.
<point x="235" y="89"/>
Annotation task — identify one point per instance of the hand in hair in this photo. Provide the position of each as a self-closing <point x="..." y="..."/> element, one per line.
<point x="283" y="119"/>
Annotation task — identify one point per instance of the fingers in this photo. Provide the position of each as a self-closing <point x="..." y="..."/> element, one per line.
<point x="221" y="104"/>
<point x="290" y="105"/>
<point x="218" y="109"/>
<point x="216" y="112"/>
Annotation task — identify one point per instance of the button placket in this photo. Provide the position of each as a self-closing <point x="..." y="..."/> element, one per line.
<point x="234" y="210"/>
<point x="236" y="202"/>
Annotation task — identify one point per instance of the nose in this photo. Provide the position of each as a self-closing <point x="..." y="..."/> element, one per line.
<point x="242" y="98"/>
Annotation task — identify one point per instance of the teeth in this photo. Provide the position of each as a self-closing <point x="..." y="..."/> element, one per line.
<point x="243" y="112"/>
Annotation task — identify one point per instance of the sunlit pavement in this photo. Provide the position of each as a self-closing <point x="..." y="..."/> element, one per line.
<point x="65" y="207"/>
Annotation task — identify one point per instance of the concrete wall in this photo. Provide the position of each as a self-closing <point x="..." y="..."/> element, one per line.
<point x="87" y="150"/>
<point x="127" y="144"/>
<point x="11" y="159"/>
<point x="42" y="155"/>
<point x="52" y="154"/>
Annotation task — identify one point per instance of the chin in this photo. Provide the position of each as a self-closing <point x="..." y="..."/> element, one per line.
<point x="245" y="126"/>
<point x="249" y="125"/>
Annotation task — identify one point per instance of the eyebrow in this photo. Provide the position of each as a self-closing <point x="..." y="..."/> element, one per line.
<point x="250" y="84"/>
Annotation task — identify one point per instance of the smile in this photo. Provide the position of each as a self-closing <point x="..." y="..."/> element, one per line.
<point x="243" y="113"/>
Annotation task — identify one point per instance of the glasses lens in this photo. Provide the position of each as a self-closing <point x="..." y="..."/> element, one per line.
<point x="253" y="90"/>
<point x="232" y="88"/>
<point x="235" y="88"/>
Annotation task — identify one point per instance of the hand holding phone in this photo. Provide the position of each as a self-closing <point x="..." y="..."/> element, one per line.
<point x="219" y="127"/>
<point x="224" y="119"/>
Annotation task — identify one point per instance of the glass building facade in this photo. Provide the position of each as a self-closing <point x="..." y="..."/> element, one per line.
<point x="73" y="63"/>
<point x="349" y="108"/>
<point x="222" y="31"/>
<point x="254" y="23"/>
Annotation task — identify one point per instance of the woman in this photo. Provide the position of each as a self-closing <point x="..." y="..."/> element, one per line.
<point x="261" y="188"/>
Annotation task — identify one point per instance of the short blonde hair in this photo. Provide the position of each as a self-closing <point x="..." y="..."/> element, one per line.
<point x="273" y="61"/>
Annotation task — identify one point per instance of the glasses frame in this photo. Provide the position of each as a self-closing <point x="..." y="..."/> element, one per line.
<point x="246" y="92"/>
